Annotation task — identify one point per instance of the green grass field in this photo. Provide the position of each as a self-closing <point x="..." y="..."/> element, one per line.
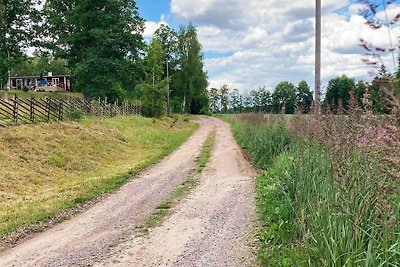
<point x="47" y="168"/>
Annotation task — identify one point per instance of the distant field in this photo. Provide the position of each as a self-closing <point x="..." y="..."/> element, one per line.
<point x="25" y="95"/>
<point x="46" y="168"/>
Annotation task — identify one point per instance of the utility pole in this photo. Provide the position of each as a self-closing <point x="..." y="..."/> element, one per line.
<point x="318" y="57"/>
<point x="168" y="93"/>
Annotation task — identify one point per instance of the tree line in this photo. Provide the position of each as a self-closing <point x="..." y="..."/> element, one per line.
<point x="286" y="98"/>
<point x="101" y="45"/>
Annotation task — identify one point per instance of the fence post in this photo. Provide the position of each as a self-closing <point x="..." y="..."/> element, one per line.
<point x="100" y="113"/>
<point x="32" y="110"/>
<point x="61" y="110"/>
<point x="15" y="111"/>
<point x="48" y="109"/>
<point x="90" y="107"/>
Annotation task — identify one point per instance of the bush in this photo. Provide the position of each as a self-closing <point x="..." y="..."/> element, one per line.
<point x="75" y="115"/>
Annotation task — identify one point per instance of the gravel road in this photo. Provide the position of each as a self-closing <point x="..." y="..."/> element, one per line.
<point x="209" y="228"/>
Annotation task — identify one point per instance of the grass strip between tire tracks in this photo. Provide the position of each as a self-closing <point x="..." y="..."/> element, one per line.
<point x="165" y="208"/>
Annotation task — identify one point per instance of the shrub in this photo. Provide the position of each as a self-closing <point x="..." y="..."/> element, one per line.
<point x="75" y="115"/>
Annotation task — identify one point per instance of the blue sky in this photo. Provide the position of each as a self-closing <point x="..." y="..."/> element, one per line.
<point x="152" y="10"/>
<point x="252" y="43"/>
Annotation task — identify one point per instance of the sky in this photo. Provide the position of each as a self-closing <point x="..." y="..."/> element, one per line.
<point x="253" y="43"/>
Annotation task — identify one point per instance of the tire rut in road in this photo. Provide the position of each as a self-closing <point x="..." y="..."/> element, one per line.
<point x="209" y="228"/>
<point x="79" y="241"/>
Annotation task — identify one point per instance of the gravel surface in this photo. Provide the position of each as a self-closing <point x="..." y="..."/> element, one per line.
<point x="79" y="241"/>
<point x="209" y="228"/>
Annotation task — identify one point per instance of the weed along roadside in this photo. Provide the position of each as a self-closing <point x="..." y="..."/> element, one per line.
<point x="323" y="198"/>
<point x="48" y="168"/>
<point x="183" y="190"/>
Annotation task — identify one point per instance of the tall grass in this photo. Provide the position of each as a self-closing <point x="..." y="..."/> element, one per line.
<point x="262" y="139"/>
<point x="323" y="200"/>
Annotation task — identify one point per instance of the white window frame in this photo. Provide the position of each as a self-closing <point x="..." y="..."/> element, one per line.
<point x="55" y="81"/>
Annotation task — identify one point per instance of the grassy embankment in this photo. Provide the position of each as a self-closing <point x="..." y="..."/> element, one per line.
<point x="47" y="168"/>
<point x="26" y="95"/>
<point x="323" y="199"/>
<point x="165" y="208"/>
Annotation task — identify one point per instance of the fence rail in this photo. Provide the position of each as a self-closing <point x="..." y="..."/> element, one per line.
<point x="19" y="111"/>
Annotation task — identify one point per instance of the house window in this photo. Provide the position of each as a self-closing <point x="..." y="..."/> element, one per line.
<point x="55" y="81"/>
<point x="19" y="83"/>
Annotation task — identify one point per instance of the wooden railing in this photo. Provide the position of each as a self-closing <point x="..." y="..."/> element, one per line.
<point x="19" y="111"/>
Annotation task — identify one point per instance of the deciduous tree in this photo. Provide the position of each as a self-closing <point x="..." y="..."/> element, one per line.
<point x="17" y="21"/>
<point x="101" y="40"/>
<point x="284" y="97"/>
<point x="190" y="80"/>
<point x="304" y="97"/>
<point x="224" y="97"/>
<point x="338" y="91"/>
<point x="215" y="100"/>
<point x="154" y="89"/>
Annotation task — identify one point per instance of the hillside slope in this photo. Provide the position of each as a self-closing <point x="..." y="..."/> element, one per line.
<point x="47" y="168"/>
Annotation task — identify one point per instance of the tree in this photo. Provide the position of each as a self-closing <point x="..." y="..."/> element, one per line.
<point x="265" y="99"/>
<point x="304" y="97"/>
<point x="255" y="99"/>
<point x="155" y="87"/>
<point x="215" y="100"/>
<point x="17" y="20"/>
<point x="40" y="64"/>
<point x="101" y="40"/>
<point x="338" y="91"/>
<point x="190" y="80"/>
<point x="248" y="104"/>
<point x="284" y="98"/>
<point x="169" y="40"/>
<point x="236" y="101"/>
<point x="224" y="97"/>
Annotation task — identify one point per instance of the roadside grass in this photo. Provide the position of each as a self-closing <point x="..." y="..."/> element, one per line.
<point x="165" y="208"/>
<point x="319" y="206"/>
<point x="47" y="168"/>
<point x="26" y="95"/>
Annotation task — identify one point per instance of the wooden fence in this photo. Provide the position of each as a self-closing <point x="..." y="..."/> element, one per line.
<point x="19" y="111"/>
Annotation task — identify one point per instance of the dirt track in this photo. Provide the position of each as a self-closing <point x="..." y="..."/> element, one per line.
<point x="207" y="229"/>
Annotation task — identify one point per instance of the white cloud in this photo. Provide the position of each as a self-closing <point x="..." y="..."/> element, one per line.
<point x="152" y="26"/>
<point x="271" y="41"/>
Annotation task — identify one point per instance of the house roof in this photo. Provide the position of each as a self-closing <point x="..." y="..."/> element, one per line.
<point x="38" y="77"/>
